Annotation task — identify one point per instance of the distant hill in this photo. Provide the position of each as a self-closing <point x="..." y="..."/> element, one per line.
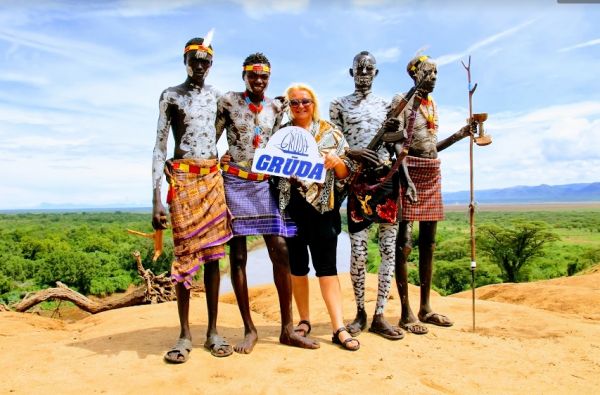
<point x="530" y="194"/>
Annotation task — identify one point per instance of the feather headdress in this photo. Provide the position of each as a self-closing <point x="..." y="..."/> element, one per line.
<point x="209" y="37"/>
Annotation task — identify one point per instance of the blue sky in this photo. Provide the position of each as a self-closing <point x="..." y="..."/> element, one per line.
<point x="80" y="81"/>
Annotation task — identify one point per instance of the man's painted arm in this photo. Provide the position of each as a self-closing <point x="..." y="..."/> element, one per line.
<point x="159" y="215"/>
<point x="160" y="147"/>
<point x="221" y="119"/>
<point x="335" y="114"/>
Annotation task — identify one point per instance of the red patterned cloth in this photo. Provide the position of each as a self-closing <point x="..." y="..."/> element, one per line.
<point x="427" y="177"/>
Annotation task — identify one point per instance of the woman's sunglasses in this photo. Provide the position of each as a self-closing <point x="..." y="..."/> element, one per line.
<point x="297" y="102"/>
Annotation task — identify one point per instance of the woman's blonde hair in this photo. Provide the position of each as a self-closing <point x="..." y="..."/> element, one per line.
<point x="311" y="92"/>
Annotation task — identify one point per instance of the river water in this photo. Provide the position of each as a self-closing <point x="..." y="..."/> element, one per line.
<point x="259" y="268"/>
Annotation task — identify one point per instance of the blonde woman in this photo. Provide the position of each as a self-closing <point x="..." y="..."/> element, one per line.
<point x="315" y="209"/>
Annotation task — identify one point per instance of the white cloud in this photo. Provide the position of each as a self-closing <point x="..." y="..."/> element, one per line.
<point x="581" y="45"/>
<point x="80" y="51"/>
<point x="94" y="180"/>
<point x="46" y="11"/>
<point x="449" y="58"/>
<point x="79" y="85"/>
<point x="391" y="16"/>
<point x="369" y="3"/>
<point x="528" y="148"/>
<point x="10" y="76"/>
<point x="143" y="8"/>
<point x="388" y="55"/>
<point x="259" y="9"/>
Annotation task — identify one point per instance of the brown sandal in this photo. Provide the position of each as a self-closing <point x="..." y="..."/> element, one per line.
<point x="345" y="344"/>
<point x="301" y="331"/>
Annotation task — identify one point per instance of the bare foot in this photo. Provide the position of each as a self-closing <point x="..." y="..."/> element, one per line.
<point x="247" y="345"/>
<point x="359" y="324"/>
<point x="296" y="340"/>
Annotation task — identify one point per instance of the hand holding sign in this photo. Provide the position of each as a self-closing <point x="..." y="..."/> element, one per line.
<point x="331" y="160"/>
<point x="292" y="151"/>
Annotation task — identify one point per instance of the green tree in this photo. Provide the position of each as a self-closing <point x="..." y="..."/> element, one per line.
<point x="5" y="284"/>
<point x="513" y="247"/>
<point x="451" y="277"/>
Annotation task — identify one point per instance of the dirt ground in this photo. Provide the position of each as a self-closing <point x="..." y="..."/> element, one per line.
<point x="541" y="337"/>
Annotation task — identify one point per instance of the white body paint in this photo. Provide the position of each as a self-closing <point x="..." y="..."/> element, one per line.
<point x="199" y="137"/>
<point x="359" y="117"/>
<point x="234" y="115"/>
<point x="424" y="140"/>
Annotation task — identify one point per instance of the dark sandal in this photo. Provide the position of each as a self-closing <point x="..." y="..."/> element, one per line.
<point x="436" y="319"/>
<point x="301" y="331"/>
<point x="180" y="352"/>
<point x="336" y="340"/>
<point x="218" y="346"/>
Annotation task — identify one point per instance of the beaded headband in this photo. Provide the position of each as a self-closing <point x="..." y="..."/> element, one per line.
<point x="417" y="62"/>
<point x="257" y="67"/>
<point x="197" y="47"/>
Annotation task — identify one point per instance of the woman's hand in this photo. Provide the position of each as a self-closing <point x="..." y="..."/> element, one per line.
<point x="332" y="161"/>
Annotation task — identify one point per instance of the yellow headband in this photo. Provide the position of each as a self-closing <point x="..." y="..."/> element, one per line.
<point x="420" y="60"/>
<point x="257" y="67"/>
<point x="197" y="47"/>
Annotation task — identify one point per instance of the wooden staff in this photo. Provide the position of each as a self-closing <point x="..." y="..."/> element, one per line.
<point x="472" y="193"/>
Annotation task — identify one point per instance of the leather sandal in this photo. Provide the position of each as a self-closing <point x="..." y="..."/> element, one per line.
<point x="346" y="343"/>
<point x="301" y="331"/>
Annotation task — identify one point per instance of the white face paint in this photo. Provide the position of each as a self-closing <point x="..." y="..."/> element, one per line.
<point x="202" y="55"/>
<point x="427" y="73"/>
<point x="360" y="115"/>
<point x="190" y="71"/>
<point x="364" y="69"/>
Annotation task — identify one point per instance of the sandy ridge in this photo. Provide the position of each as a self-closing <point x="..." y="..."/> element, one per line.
<point x="537" y="337"/>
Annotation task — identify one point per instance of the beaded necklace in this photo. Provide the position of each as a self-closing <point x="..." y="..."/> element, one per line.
<point x="256" y="140"/>
<point x="428" y="110"/>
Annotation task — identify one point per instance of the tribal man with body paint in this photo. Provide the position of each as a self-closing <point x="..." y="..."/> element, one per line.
<point x="250" y="119"/>
<point x="359" y="116"/>
<point x="423" y="166"/>
<point x="199" y="216"/>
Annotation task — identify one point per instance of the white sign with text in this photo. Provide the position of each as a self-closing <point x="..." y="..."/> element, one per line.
<point x="291" y="151"/>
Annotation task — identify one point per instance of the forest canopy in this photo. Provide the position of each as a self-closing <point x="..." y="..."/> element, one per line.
<point x="91" y="251"/>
